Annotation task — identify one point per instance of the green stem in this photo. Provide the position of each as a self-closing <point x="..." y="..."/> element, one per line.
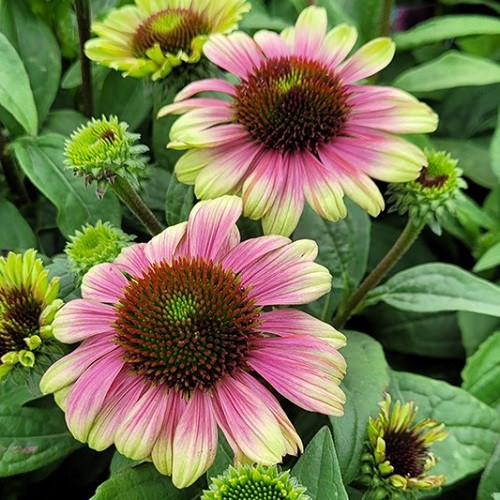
<point x="131" y="198"/>
<point x="400" y="247"/>
<point x="385" y="17"/>
<point x="11" y="172"/>
<point x="82" y="11"/>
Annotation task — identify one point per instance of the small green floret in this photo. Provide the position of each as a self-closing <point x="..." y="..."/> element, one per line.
<point x="103" y="149"/>
<point x="435" y="192"/>
<point x="95" y="244"/>
<point x="258" y="482"/>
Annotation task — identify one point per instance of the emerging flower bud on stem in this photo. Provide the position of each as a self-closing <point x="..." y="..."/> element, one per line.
<point x="255" y="483"/>
<point x="432" y="194"/>
<point x="397" y="457"/>
<point x="102" y="149"/>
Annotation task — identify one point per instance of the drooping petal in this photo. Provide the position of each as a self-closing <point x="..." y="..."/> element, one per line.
<point x="242" y="414"/>
<point x="236" y="53"/>
<point x="368" y="60"/>
<point x="88" y="394"/>
<point x="163" y="246"/>
<point x="132" y="260"/>
<point x="195" y="103"/>
<point x="104" y="283"/>
<point x="81" y="319"/>
<point x="139" y="430"/>
<point x="211" y="225"/>
<point x="162" y="454"/>
<point x="206" y="85"/>
<point x="285" y="322"/>
<point x="70" y="367"/>
<point x="214" y="136"/>
<point x="195" y="440"/>
<point x="304" y="369"/>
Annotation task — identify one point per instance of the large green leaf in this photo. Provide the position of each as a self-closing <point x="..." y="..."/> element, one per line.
<point x="141" y="482"/>
<point x="481" y="375"/>
<point x="179" y="200"/>
<point x="38" y="48"/>
<point x="490" y="259"/>
<point x="63" y="122"/>
<point x="475" y="329"/>
<point x="438" y="287"/>
<point x="15" y="91"/>
<point x="495" y="149"/>
<point x="318" y="469"/>
<point x="16" y="233"/>
<point x="364" y="385"/>
<point x="473" y="427"/>
<point x="444" y="27"/>
<point x="31" y="438"/>
<point x="223" y="459"/>
<point x="490" y="479"/>
<point x="452" y="69"/>
<point x="42" y="160"/>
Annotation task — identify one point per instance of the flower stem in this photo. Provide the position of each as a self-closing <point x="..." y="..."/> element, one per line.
<point x="131" y="198"/>
<point x="385" y="17"/>
<point x="83" y="20"/>
<point x="400" y="247"/>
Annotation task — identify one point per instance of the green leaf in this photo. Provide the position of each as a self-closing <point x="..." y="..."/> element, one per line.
<point x="490" y="259"/>
<point x="495" y="149"/>
<point x="223" y="459"/>
<point x="42" y="160"/>
<point x="16" y="233"/>
<point x="473" y="427"/>
<point x="489" y="483"/>
<point x="14" y="392"/>
<point x="438" y="287"/>
<point x="444" y="27"/>
<point x="475" y="329"/>
<point x="120" y="463"/>
<point x="15" y="91"/>
<point x="31" y="438"/>
<point x="179" y="202"/>
<point x="492" y="4"/>
<point x="124" y="97"/>
<point x="448" y="71"/>
<point x="318" y="469"/>
<point x="38" y="48"/>
<point x="63" y="122"/>
<point x="141" y="482"/>
<point x="364" y="385"/>
<point x="68" y="287"/>
<point x="481" y="374"/>
<point x="432" y="335"/>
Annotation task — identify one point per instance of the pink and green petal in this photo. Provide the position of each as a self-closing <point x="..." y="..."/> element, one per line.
<point x="123" y="393"/>
<point x="337" y="44"/>
<point x="211" y="227"/>
<point x="236" y="53"/>
<point x="228" y="166"/>
<point x="286" y="322"/>
<point x="162" y="453"/>
<point x="271" y="44"/>
<point x="163" y="246"/>
<point x="105" y="283"/>
<point x="206" y="85"/>
<point x="310" y="30"/>
<point x="192" y="104"/>
<point x="195" y="440"/>
<point x="215" y="136"/>
<point x="69" y="368"/>
<point x="296" y="370"/>
<point x="88" y="395"/>
<point x="191" y="163"/>
<point x="138" y="432"/>
<point x="242" y="414"/>
<point x="81" y="319"/>
<point x="132" y="260"/>
<point x="368" y="60"/>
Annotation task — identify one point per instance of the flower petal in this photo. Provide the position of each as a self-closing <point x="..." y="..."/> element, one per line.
<point x="191" y="163"/>
<point x="289" y="322"/>
<point x="195" y="103"/>
<point x="304" y="369"/>
<point x="368" y="60"/>
<point x="271" y="44"/>
<point x="337" y="44"/>
<point x="214" y="136"/>
<point x="81" y="319"/>
<point x="206" y="85"/>
<point x="104" y="283"/>
<point x="163" y="246"/>
<point x="195" y="440"/>
<point x="310" y="30"/>
<point x="242" y="414"/>
<point x="132" y="260"/>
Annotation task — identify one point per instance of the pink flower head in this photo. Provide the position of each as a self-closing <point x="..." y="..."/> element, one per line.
<point x="178" y="334"/>
<point x="297" y="126"/>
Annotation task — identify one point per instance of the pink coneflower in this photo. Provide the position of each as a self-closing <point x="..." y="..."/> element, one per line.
<point x="177" y="337"/>
<point x="297" y="126"/>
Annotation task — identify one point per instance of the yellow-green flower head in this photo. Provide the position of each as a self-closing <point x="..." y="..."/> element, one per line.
<point x="432" y="194"/>
<point x="95" y="244"/>
<point x="28" y="303"/>
<point x="154" y="36"/>
<point x="398" y="457"/>
<point x="255" y="483"/>
<point x="103" y="149"/>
